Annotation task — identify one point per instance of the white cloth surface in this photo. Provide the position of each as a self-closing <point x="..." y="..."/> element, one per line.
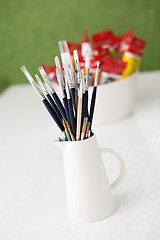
<point x="32" y="190"/>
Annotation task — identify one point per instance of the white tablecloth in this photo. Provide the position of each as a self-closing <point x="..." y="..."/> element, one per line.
<point x="32" y="190"/>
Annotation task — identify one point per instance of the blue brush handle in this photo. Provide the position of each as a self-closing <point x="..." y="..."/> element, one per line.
<point x="72" y="91"/>
<point x="71" y="117"/>
<point x="66" y="107"/>
<point x="86" y="104"/>
<point x="92" y="105"/>
<point x="83" y="109"/>
<point x="54" y="106"/>
<point x="60" y="106"/>
<point x="53" y="114"/>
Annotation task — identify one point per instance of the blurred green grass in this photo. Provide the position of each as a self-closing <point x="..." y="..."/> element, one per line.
<point x="30" y="30"/>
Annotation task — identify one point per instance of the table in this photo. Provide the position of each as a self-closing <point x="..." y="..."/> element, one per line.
<point x="32" y="190"/>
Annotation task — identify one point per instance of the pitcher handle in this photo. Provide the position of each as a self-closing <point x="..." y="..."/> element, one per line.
<point x="122" y="166"/>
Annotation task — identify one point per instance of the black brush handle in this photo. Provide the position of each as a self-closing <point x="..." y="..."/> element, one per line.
<point x="60" y="106"/>
<point x="54" y="106"/>
<point x="53" y="114"/>
<point x="66" y="107"/>
<point x="86" y="104"/>
<point x="72" y="91"/>
<point x="71" y="116"/>
<point x="93" y="100"/>
<point x="83" y="110"/>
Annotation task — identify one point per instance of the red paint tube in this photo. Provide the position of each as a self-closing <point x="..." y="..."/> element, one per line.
<point x="112" y="70"/>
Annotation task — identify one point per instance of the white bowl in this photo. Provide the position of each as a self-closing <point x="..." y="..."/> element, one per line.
<point x="114" y="100"/>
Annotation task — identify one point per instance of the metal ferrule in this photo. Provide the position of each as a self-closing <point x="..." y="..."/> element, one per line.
<point x="67" y="91"/>
<point x="61" y="85"/>
<point x="71" y="85"/>
<point x="49" y="84"/>
<point x="78" y="72"/>
<point x="70" y="78"/>
<point x="80" y="90"/>
<point x="58" y="66"/>
<point x="76" y="80"/>
<point x="83" y="85"/>
<point x="43" y="87"/>
<point x="62" y="80"/>
<point x="63" y="94"/>
<point x="61" y="76"/>
<point x="79" y="75"/>
<point x="87" y="79"/>
<point x="38" y="90"/>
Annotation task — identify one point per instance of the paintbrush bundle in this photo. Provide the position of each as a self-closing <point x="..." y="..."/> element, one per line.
<point x="119" y="56"/>
<point x="72" y="114"/>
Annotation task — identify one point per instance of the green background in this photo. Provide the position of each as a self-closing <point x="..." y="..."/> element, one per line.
<point x="30" y="30"/>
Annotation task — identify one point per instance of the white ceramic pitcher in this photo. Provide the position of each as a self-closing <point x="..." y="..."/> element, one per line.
<point x="88" y="191"/>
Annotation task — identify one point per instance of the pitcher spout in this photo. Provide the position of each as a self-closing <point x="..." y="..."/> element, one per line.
<point x="60" y="145"/>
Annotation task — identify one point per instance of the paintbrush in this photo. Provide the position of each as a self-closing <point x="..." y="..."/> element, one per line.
<point x="44" y="100"/>
<point x="68" y="66"/>
<point x="84" y="128"/>
<point x="87" y="63"/>
<point x="79" y="112"/>
<point x="76" y="80"/>
<point x="78" y="69"/>
<point x="71" y="84"/>
<point x="53" y="93"/>
<point x="49" y="97"/>
<point x="84" y="104"/>
<point x="63" y="93"/>
<point x="70" y="108"/>
<point x="93" y="97"/>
